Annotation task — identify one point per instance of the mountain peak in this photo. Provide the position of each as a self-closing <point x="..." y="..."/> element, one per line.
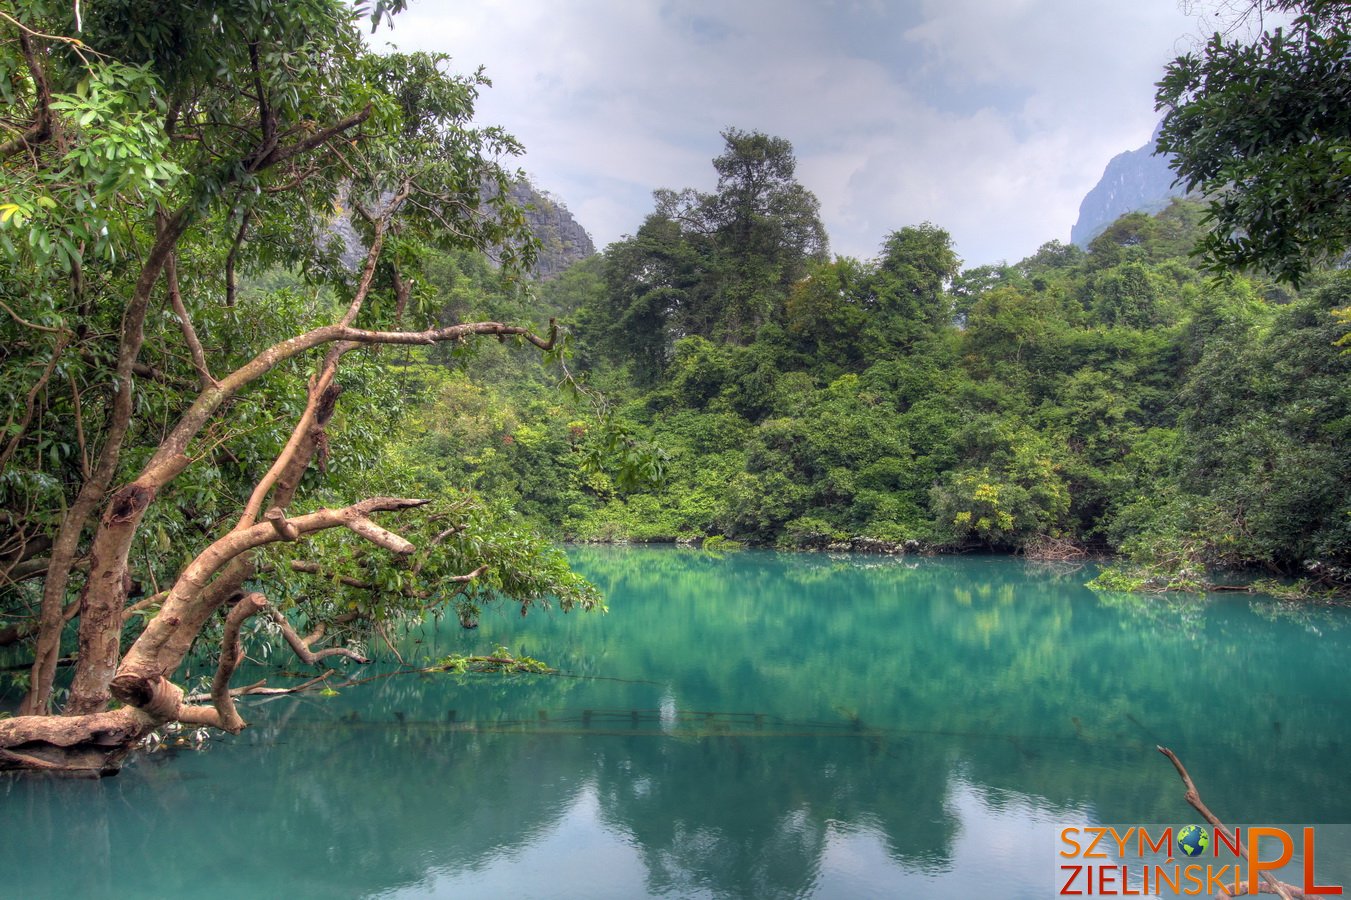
<point x="1135" y="181"/>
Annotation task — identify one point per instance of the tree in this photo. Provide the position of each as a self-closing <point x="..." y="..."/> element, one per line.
<point x="1017" y="493"/>
<point x="826" y="312"/>
<point x="916" y="266"/>
<point x="715" y="265"/>
<point x="766" y="227"/>
<point x="653" y="288"/>
<point x="146" y="164"/>
<point x="1263" y="128"/>
<point x="760" y="208"/>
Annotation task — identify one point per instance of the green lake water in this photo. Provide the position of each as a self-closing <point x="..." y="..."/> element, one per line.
<point x="757" y="725"/>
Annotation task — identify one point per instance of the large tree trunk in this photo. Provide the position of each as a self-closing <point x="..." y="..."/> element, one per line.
<point x="95" y="742"/>
<point x="98" y="640"/>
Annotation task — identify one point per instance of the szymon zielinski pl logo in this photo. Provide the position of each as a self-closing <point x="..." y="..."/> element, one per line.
<point x="1163" y="861"/>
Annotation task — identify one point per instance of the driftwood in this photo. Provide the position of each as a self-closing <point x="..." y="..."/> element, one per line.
<point x="1046" y="548"/>
<point x="1193" y="797"/>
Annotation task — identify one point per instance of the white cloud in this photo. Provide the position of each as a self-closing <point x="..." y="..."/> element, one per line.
<point x="990" y="118"/>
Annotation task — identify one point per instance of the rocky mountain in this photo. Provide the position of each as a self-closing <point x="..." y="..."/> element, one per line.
<point x="563" y="241"/>
<point x="1134" y="181"/>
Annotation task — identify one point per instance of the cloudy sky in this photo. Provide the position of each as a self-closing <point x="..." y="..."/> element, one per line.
<point x="990" y="118"/>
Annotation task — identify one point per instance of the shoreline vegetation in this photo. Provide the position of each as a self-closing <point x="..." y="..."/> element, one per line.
<point x="227" y="418"/>
<point x="1117" y="575"/>
<point x="1117" y="401"/>
<point x="1112" y="404"/>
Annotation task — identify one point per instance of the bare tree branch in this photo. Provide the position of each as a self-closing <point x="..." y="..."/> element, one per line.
<point x="277" y="517"/>
<point x="462" y="579"/>
<point x="300" y="177"/>
<point x="108" y="729"/>
<point x="313" y="568"/>
<point x="185" y="321"/>
<point x="1193" y="797"/>
<point x="449" y="532"/>
<point x="267" y="121"/>
<point x="381" y="223"/>
<point x="230" y="258"/>
<point x="318" y="139"/>
<point x="78" y="409"/>
<point x="231" y="654"/>
<point x="142" y="604"/>
<point x="379" y="536"/>
<point x="301" y="646"/>
<point x="27" y="324"/>
<point x="30" y="404"/>
<point x="168" y="636"/>
<point x="260" y="688"/>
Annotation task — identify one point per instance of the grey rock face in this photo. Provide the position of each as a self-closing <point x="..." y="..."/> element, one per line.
<point x="1134" y="181"/>
<point x="563" y="241"/>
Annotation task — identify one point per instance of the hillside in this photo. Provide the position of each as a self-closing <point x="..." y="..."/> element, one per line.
<point x="562" y="239"/>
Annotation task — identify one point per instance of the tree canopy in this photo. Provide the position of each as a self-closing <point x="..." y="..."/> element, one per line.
<point x="1115" y="399"/>
<point x="714" y="265"/>
<point x="1263" y="129"/>
<point x="199" y="412"/>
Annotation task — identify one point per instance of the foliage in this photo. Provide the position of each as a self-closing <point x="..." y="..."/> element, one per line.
<point x="717" y="543"/>
<point x="1301" y="589"/>
<point x="1135" y="579"/>
<point x="1018" y="493"/>
<point x="500" y="661"/>
<point x="713" y="265"/>
<point x="1118" y="579"/>
<point x="1264" y="130"/>
<point x="177" y="300"/>
<point x="1114" y="399"/>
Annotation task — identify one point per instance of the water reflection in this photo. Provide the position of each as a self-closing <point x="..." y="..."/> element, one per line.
<point x="757" y="726"/>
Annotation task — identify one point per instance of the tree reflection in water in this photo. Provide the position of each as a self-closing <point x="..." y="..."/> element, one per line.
<point x="753" y="726"/>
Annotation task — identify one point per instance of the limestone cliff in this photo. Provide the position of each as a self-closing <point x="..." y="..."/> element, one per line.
<point x="563" y="241"/>
<point x="1134" y="181"/>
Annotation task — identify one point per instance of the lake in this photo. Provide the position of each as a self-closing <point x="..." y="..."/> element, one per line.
<point x="755" y="725"/>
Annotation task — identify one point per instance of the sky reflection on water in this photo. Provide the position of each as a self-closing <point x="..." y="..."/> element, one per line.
<point x="754" y="726"/>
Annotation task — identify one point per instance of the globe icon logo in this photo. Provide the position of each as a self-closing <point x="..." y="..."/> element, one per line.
<point x="1193" y="839"/>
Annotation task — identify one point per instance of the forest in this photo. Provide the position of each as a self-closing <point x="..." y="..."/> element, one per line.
<point x="208" y="408"/>
<point x="1120" y="399"/>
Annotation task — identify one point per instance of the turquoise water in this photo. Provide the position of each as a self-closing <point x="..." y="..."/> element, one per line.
<point x="758" y="725"/>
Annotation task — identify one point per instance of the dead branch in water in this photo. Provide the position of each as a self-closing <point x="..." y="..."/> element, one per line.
<point x="1193" y="797"/>
<point x="1045" y="548"/>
